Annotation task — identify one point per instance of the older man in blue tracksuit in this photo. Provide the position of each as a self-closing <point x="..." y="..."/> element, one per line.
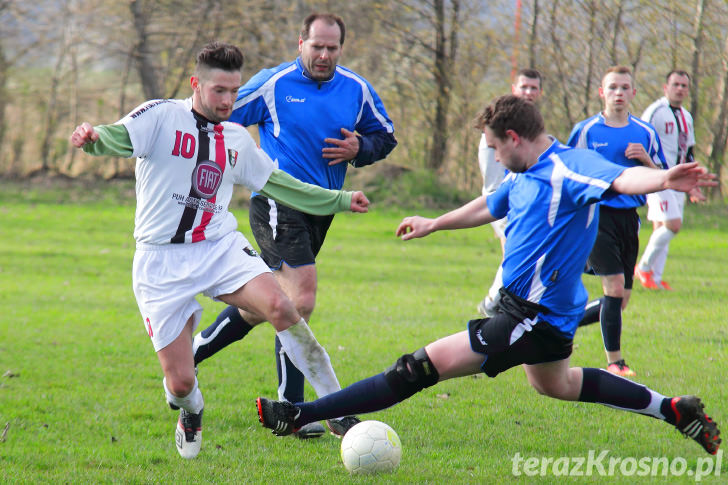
<point x="313" y="116"/>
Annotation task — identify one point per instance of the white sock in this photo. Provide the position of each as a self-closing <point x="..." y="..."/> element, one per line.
<point x="192" y="402"/>
<point x="309" y="357"/>
<point x="659" y="241"/>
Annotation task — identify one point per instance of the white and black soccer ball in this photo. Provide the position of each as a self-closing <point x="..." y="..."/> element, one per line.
<point x="371" y="447"/>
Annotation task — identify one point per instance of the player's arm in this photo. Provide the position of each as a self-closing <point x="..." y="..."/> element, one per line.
<point x="474" y="213"/>
<point x="309" y="198"/>
<point x="111" y="140"/>
<point x="636" y="151"/>
<point x="683" y="178"/>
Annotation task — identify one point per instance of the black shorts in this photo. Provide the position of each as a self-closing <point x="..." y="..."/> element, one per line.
<point x="286" y="235"/>
<point x="508" y="340"/>
<point x="617" y="245"/>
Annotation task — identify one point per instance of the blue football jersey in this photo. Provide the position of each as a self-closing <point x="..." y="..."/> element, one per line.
<point x="295" y="114"/>
<point x="594" y="134"/>
<point x="552" y="225"/>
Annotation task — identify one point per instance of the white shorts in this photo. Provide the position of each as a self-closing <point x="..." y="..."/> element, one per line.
<point x="665" y="205"/>
<point x="167" y="278"/>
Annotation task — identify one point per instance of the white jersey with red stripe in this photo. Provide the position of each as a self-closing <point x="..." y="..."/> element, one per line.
<point x="185" y="170"/>
<point x="675" y="129"/>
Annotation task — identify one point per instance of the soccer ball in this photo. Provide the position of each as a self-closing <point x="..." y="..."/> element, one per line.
<point x="371" y="447"/>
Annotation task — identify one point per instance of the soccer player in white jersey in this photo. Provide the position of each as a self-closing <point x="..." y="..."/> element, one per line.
<point x="188" y="158"/>
<point x="527" y="86"/>
<point x="549" y="198"/>
<point x="628" y="141"/>
<point x="674" y="125"/>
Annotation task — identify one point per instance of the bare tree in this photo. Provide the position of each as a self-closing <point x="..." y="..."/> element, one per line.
<point x="697" y="45"/>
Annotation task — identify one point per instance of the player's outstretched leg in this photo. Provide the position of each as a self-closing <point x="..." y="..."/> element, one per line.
<point x="692" y="421"/>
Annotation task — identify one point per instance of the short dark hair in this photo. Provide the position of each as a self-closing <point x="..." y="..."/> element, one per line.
<point x="219" y="55"/>
<point x="511" y="112"/>
<point x="329" y="18"/>
<point x="679" y="72"/>
<point x="619" y="70"/>
<point x="531" y="74"/>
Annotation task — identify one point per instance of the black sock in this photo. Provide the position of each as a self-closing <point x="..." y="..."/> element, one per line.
<point x="591" y="312"/>
<point x="228" y="327"/>
<point x="611" y="318"/>
<point x="366" y="396"/>
<point x="290" y="379"/>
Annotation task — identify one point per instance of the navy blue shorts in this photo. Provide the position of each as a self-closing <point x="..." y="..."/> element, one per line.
<point x="286" y="235"/>
<point x="512" y="338"/>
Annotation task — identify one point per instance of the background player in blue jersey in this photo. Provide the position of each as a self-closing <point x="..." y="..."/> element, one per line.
<point x="312" y="117"/>
<point x="627" y="141"/>
<point x="549" y="199"/>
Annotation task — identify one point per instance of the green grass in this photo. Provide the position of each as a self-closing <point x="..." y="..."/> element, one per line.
<point x="82" y="397"/>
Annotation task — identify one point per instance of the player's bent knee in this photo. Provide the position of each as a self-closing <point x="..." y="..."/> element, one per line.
<point x="411" y="374"/>
<point x="181" y="386"/>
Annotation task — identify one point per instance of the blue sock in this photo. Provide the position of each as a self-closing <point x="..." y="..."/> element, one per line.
<point x="228" y="327"/>
<point x="611" y="318"/>
<point x="366" y="396"/>
<point x="290" y="379"/>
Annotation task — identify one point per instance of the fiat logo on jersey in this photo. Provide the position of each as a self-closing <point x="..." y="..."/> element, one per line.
<point x="206" y="179"/>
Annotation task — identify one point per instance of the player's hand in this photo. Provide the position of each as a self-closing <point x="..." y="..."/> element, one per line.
<point x="359" y="202"/>
<point x="636" y="151"/>
<point x="84" y="133"/>
<point x="696" y="195"/>
<point x="415" y="226"/>
<point x="688" y="176"/>
<point x="344" y="150"/>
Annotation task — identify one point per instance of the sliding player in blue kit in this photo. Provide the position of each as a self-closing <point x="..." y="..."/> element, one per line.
<point x="550" y="198"/>
<point x="301" y="109"/>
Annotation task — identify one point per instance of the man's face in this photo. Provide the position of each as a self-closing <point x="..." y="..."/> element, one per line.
<point x="527" y="88"/>
<point x="214" y="93"/>
<point x="321" y="51"/>
<point x="617" y="92"/>
<point x="676" y="89"/>
<point x="508" y="151"/>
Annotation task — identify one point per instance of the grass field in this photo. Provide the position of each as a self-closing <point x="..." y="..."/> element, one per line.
<point x="81" y="398"/>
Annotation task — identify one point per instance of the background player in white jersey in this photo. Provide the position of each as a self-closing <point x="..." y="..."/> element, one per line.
<point x="302" y="108"/>
<point x="628" y="141"/>
<point x="548" y="198"/>
<point x="526" y="86"/>
<point x="674" y="125"/>
<point x="188" y="159"/>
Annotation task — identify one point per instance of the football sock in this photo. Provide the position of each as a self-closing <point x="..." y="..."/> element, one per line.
<point x="611" y="318"/>
<point x="290" y="379"/>
<point x="366" y="396"/>
<point x="309" y="357"/>
<point x="603" y="387"/>
<point x="228" y="327"/>
<point x="192" y="402"/>
<point x="658" y="244"/>
<point x="591" y="312"/>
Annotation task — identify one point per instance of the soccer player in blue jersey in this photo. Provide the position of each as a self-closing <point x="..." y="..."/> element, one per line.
<point x="313" y="116"/>
<point x="550" y="200"/>
<point x="627" y="141"/>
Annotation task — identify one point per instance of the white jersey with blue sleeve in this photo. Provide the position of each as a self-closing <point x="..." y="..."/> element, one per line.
<point x="295" y="114"/>
<point x="594" y="134"/>
<point x="552" y="225"/>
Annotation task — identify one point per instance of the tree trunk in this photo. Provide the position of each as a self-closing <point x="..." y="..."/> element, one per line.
<point x="720" y="127"/>
<point x="147" y="63"/>
<point x="697" y="46"/>
<point x="533" y="37"/>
